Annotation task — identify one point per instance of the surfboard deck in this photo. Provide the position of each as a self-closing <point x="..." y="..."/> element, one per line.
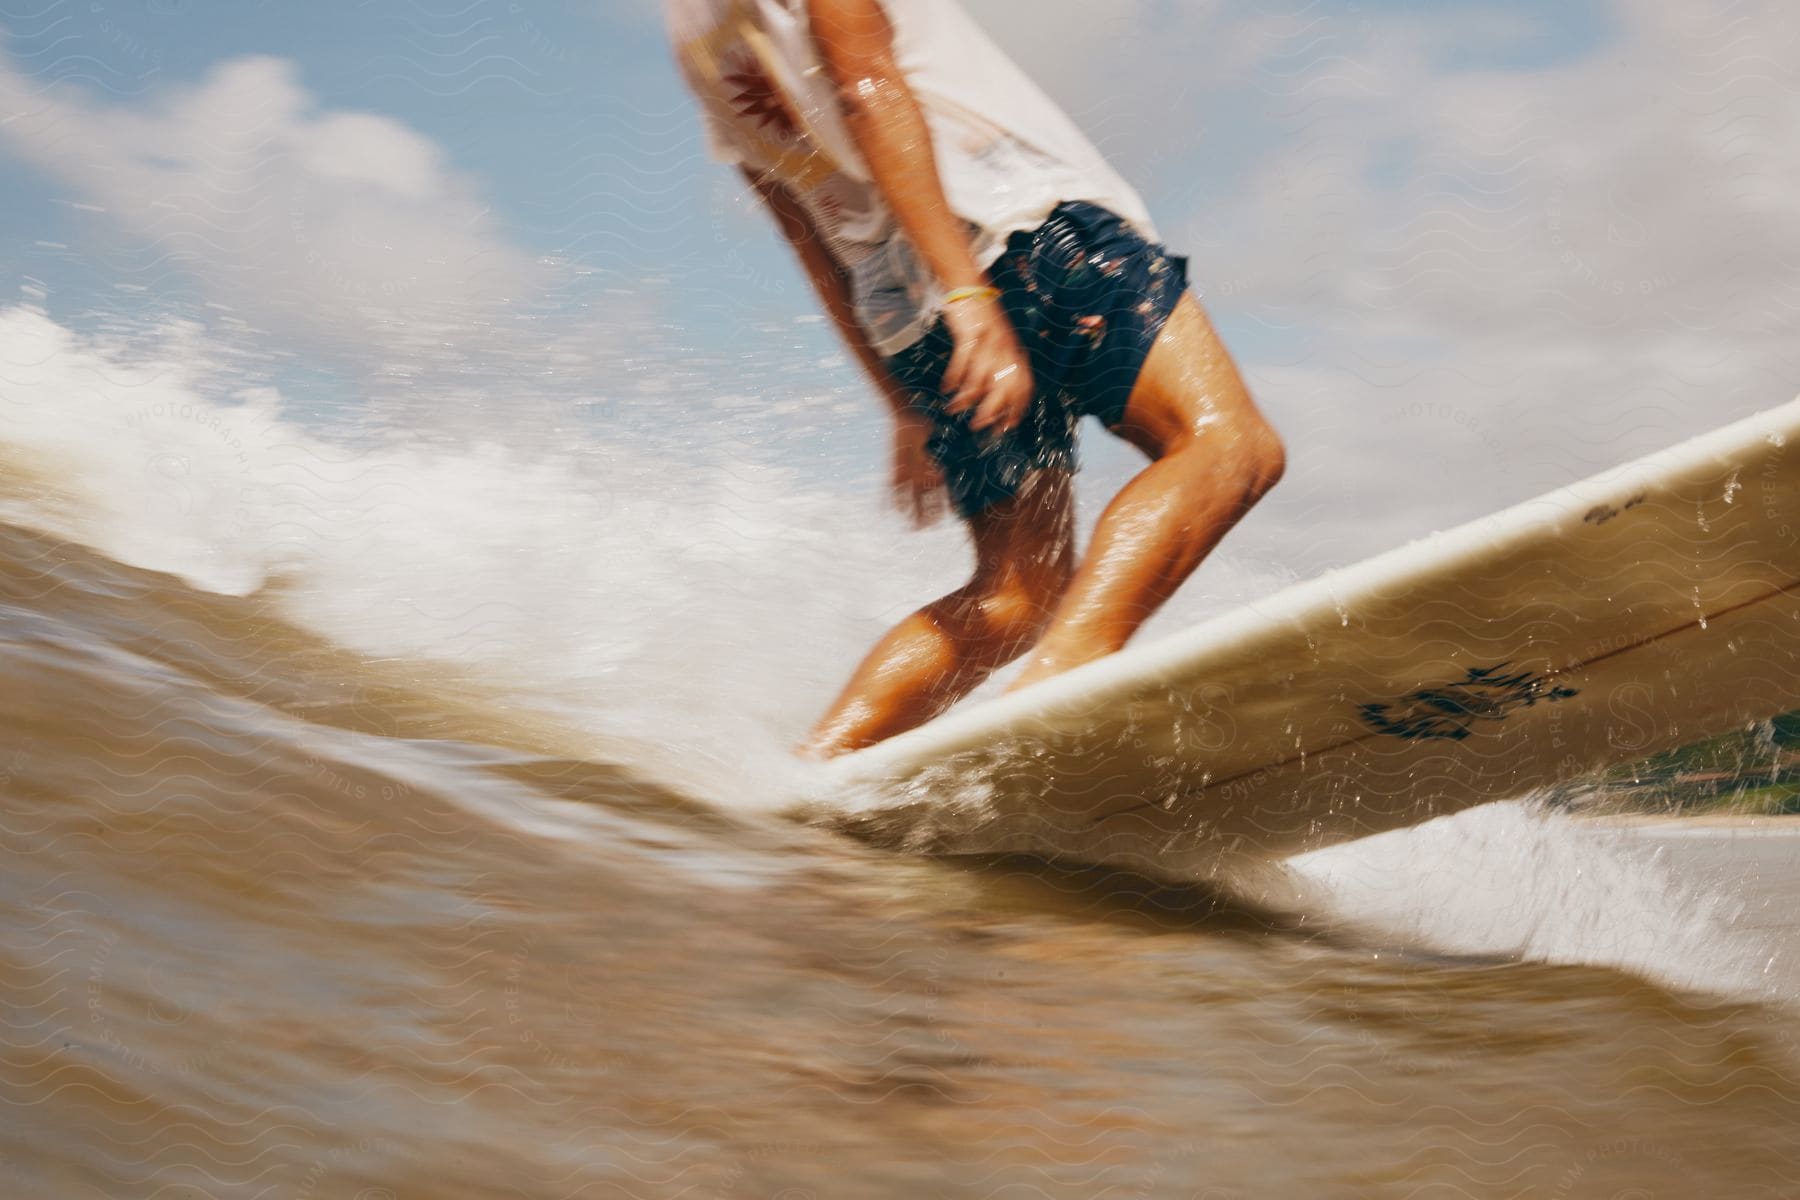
<point x="1645" y="608"/>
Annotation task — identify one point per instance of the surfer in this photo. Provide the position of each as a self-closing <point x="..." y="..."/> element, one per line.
<point x="998" y="281"/>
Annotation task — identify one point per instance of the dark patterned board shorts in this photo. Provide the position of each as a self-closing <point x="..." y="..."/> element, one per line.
<point x="1088" y="297"/>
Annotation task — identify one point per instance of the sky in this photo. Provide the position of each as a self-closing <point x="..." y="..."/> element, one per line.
<point x="1465" y="252"/>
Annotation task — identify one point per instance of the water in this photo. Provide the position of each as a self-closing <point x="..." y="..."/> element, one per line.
<point x="393" y="816"/>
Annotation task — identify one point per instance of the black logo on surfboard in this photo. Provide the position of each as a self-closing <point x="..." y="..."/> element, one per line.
<point x="1451" y="710"/>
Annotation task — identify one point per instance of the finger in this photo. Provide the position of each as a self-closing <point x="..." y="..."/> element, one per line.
<point x="1008" y="415"/>
<point x="974" y="390"/>
<point x="968" y="377"/>
<point x="991" y="417"/>
<point x="1020" y="402"/>
<point x="1001" y="400"/>
<point x="992" y="374"/>
<point x="957" y="372"/>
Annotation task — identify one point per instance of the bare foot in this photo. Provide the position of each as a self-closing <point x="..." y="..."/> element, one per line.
<point x="813" y="752"/>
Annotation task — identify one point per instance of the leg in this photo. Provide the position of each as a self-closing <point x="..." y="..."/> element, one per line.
<point x="1213" y="457"/>
<point x="1024" y="552"/>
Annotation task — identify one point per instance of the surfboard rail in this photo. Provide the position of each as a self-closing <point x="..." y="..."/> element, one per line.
<point x="1407" y="672"/>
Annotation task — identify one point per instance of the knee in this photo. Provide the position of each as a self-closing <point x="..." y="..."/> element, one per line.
<point x="1015" y="610"/>
<point x="1265" y="459"/>
<point x="1247" y="450"/>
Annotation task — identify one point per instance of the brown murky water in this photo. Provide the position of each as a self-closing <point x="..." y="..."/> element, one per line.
<point x="280" y="923"/>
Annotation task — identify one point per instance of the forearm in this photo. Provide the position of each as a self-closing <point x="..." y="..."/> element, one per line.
<point x="828" y="280"/>
<point x="890" y="131"/>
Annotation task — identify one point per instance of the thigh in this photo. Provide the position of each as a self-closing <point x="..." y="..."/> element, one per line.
<point x="982" y="469"/>
<point x="1189" y="385"/>
<point x="1029" y="538"/>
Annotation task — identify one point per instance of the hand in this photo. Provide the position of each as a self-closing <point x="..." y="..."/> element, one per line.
<point x="918" y="482"/>
<point x="988" y="369"/>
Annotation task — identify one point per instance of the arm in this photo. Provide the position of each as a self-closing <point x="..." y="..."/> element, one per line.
<point x="988" y="370"/>
<point x="916" y="480"/>
<point x="828" y="281"/>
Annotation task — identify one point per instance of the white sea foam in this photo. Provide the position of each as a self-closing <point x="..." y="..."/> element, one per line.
<point x="1513" y="880"/>
<point x="699" y="603"/>
<point x="695" y="610"/>
<point x="696" y="601"/>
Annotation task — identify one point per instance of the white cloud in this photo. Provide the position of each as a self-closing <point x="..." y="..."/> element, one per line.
<point x="367" y="149"/>
<point x="346" y="228"/>
<point x="1453" y="287"/>
<point x="1477" y="283"/>
<point x="1125" y="69"/>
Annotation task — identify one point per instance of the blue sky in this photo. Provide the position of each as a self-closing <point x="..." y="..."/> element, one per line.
<point x="512" y="92"/>
<point x="1465" y="251"/>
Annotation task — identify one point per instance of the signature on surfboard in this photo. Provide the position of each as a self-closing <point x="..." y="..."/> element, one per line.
<point x="1451" y="710"/>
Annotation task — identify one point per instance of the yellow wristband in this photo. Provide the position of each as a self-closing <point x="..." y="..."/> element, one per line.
<point x="958" y="295"/>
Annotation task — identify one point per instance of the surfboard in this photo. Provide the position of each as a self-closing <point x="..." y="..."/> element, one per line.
<point x="1653" y="605"/>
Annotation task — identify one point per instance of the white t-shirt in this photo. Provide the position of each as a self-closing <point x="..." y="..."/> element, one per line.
<point x="1006" y="153"/>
